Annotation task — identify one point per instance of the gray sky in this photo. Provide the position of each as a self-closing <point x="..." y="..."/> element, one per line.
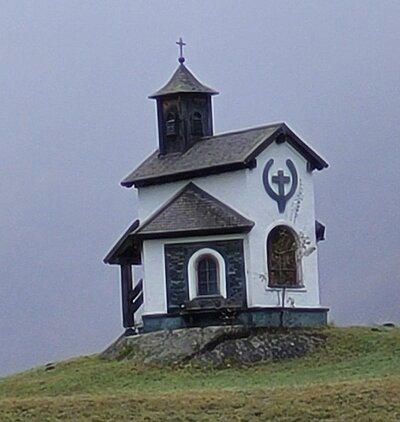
<point x="75" y="119"/>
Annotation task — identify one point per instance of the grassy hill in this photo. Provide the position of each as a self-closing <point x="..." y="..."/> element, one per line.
<point x="355" y="376"/>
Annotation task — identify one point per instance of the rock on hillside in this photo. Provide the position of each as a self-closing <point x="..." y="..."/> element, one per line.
<point x="216" y="346"/>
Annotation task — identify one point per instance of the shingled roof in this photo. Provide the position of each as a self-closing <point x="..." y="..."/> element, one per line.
<point x="192" y="211"/>
<point x="217" y="154"/>
<point x="183" y="81"/>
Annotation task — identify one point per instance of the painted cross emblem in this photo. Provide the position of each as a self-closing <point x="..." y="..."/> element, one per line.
<point x="281" y="180"/>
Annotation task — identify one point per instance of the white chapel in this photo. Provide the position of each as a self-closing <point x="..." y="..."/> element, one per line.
<point x="226" y="229"/>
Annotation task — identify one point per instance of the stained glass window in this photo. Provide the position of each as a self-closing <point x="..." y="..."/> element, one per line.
<point x="283" y="265"/>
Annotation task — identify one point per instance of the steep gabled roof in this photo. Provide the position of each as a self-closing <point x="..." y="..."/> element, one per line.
<point x="183" y="81"/>
<point x="191" y="212"/>
<point x="217" y="154"/>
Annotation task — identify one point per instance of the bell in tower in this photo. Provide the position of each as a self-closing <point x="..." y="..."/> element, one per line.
<point x="184" y="110"/>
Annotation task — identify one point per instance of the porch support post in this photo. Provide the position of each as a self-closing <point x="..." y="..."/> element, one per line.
<point x="126" y="292"/>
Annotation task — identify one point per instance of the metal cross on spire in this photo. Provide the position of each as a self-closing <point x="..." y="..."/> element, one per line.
<point x="181" y="44"/>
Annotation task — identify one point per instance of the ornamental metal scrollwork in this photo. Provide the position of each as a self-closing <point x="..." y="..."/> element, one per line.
<point x="281" y="180"/>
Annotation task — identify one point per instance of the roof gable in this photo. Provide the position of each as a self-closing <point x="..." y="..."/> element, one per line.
<point x="192" y="211"/>
<point x="220" y="153"/>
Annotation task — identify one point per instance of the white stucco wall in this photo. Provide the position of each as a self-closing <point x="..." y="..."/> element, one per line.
<point x="244" y="191"/>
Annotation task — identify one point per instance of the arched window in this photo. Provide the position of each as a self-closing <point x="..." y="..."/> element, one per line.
<point x="197" y="124"/>
<point x="283" y="258"/>
<point x="206" y="274"/>
<point x="171" y="124"/>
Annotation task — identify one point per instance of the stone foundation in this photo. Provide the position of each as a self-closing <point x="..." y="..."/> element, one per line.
<point x="216" y="346"/>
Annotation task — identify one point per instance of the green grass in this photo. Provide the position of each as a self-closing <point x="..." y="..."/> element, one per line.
<point x="355" y="376"/>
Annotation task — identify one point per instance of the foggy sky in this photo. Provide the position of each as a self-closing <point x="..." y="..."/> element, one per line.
<point x="75" y="119"/>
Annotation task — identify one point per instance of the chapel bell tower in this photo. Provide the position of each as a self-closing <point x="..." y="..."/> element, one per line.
<point x="184" y="110"/>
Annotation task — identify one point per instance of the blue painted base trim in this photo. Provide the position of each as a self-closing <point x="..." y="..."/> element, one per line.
<point x="253" y="317"/>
